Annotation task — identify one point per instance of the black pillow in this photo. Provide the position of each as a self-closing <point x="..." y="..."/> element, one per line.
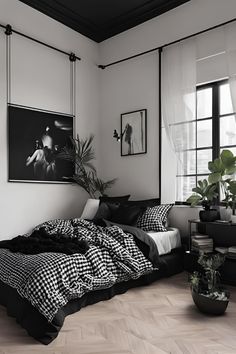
<point x="114" y="200"/>
<point x="145" y="203"/>
<point x="105" y="211"/>
<point x="127" y="215"/>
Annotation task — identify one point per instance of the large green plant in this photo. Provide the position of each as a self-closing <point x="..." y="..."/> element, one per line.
<point x="223" y="171"/>
<point x="222" y="167"/>
<point x="81" y="153"/>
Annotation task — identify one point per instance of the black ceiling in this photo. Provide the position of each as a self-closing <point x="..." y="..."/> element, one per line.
<point x="102" y="19"/>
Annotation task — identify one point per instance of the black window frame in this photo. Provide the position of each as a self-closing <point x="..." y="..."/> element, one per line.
<point x="216" y="116"/>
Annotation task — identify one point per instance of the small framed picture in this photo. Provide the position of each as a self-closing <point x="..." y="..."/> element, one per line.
<point x="35" y="139"/>
<point x="134" y="133"/>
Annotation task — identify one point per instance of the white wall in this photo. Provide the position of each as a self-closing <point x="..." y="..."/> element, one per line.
<point x="40" y="78"/>
<point x="128" y="86"/>
<point x="125" y="88"/>
<point x="134" y="84"/>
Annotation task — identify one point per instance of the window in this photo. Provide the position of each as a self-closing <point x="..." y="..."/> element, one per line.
<point x="215" y="130"/>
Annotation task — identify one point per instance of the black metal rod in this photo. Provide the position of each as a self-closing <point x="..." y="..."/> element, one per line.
<point x="160" y="121"/>
<point x="40" y="42"/>
<point x="167" y="44"/>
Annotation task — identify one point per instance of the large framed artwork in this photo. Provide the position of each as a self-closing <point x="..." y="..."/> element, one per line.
<point x="35" y="138"/>
<point x="134" y="133"/>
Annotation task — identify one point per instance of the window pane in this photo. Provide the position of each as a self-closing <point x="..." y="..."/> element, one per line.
<point x="225" y="100"/>
<point x="203" y="157"/>
<point x="204" y="103"/>
<point x="184" y="187"/>
<point x="187" y="163"/>
<point x="204" y="133"/>
<point x="228" y="130"/>
<point x="184" y="135"/>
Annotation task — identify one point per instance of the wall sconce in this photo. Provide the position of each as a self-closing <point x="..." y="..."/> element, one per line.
<point x="116" y="135"/>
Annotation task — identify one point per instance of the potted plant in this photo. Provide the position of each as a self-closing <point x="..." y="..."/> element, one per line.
<point x="205" y="193"/>
<point x="230" y="198"/>
<point x="208" y="294"/>
<point x="81" y="153"/>
<point x="223" y="170"/>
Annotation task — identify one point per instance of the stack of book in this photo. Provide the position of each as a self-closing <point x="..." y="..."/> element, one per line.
<point x="231" y="252"/>
<point x="222" y="250"/>
<point x="202" y="243"/>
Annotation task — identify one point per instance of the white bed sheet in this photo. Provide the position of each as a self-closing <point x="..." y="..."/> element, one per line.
<point x="166" y="241"/>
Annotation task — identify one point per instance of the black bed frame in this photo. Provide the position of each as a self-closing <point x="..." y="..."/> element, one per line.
<point x="37" y="325"/>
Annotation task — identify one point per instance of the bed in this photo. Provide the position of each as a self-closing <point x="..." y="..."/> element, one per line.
<point x="41" y="289"/>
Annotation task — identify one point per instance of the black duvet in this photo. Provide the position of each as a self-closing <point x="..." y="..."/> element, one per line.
<point x="128" y="259"/>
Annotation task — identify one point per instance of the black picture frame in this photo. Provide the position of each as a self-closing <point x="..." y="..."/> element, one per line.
<point x="134" y="133"/>
<point x="35" y="138"/>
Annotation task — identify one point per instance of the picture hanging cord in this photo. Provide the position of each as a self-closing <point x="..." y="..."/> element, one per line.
<point x="8" y="33"/>
<point x="9" y="28"/>
<point x="72" y="58"/>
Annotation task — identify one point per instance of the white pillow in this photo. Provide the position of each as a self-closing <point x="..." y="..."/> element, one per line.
<point x="90" y="209"/>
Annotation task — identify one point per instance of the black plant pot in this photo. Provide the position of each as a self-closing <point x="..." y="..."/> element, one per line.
<point x="209" y="306"/>
<point x="208" y="215"/>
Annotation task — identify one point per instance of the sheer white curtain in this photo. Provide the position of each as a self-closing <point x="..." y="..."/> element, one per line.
<point x="179" y="103"/>
<point x="230" y="51"/>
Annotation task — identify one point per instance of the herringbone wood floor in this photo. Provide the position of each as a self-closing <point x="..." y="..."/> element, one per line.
<point x="156" y="319"/>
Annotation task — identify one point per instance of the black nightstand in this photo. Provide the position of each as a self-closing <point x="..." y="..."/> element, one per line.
<point x="223" y="235"/>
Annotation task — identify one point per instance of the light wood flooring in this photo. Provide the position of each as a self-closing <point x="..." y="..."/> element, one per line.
<point x="156" y="319"/>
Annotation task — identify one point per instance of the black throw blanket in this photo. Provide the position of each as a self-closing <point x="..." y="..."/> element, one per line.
<point x="40" y="242"/>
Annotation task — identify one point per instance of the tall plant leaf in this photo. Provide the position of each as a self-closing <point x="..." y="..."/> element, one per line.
<point x="81" y="153"/>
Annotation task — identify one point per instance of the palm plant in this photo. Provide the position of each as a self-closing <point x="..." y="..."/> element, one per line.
<point x="81" y="153"/>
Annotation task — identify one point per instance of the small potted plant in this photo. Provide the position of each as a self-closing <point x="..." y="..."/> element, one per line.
<point x="208" y="294"/>
<point x="205" y="193"/>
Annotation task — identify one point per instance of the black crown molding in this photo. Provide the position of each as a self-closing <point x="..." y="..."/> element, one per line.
<point x="70" y="15"/>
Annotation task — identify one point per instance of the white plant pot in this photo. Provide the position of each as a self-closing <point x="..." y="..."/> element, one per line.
<point x="233" y="219"/>
<point x="225" y="214"/>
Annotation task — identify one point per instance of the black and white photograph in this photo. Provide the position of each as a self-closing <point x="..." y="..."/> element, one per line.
<point x="134" y="133"/>
<point x="36" y="137"/>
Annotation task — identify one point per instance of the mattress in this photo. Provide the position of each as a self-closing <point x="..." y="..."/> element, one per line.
<point x="166" y="241"/>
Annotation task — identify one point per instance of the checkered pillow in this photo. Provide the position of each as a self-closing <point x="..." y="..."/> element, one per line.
<point x="154" y="218"/>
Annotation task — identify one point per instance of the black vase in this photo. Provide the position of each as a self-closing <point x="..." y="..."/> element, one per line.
<point x="209" y="306"/>
<point x="208" y="215"/>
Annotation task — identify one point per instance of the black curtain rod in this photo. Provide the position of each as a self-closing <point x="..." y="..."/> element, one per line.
<point x="72" y="56"/>
<point x="166" y="45"/>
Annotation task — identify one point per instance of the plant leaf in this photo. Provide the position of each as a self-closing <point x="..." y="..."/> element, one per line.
<point x="214" y="177"/>
<point x="80" y="152"/>
<point x="194" y="199"/>
<point x="232" y="187"/>
<point x="230" y="170"/>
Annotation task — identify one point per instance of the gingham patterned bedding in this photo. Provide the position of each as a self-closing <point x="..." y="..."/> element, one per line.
<point x="50" y="280"/>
